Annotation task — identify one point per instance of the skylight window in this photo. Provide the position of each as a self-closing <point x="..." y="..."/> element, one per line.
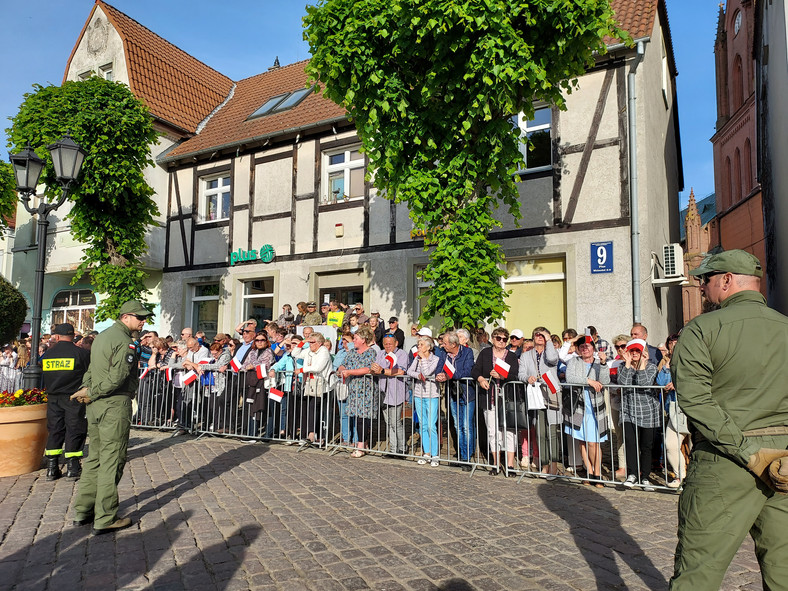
<point x="282" y="102"/>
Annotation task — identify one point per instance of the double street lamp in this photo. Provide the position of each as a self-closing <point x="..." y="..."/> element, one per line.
<point x="67" y="159"/>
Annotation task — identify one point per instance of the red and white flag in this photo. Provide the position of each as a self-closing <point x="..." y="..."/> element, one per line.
<point x="589" y="337"/>
<point x="189" y="377"/>
<point x="260" y="370"/>
<point x="145" y="372"/>
<point x="449" y="369"/>
<point x="550" y="382"/>
<point x="276" y="394"/>
<point x="414" y="351"/>
<point x="501" y="367"/>
<point x="392" y="359"/>
<point x="235" y="363"/>
<point x="204" y="361"/>
<point x="168" y="374"/>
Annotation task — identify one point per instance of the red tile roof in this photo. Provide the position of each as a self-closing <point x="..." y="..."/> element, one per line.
<point x="178" y="88"/>
<point x="229" y="126"/>
<point x="635" y="16"/>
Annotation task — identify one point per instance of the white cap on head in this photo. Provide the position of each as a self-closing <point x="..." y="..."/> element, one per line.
<point x="425" y="332"/>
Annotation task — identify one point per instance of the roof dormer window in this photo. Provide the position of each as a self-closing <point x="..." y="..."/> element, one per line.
<point x="282" y="102"/>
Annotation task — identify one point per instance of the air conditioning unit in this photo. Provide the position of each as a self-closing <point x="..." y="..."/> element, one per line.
<point x="672" y="260"/>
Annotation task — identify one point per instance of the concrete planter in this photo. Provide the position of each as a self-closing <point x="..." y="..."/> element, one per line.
<point x="23" y="435"/>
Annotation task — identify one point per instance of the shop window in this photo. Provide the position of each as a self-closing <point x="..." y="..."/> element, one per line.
<point x="344" y="295"/>
<point x="343" y="176"/>
<point x="75" y="306"/>
<point x="540" y="153"/>
<point x="205" y="308"/>
<point x="259" y="299"/>
<point x="215" y="198"/>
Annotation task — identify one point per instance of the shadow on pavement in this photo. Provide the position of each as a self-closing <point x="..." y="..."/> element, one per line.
<point x="599" y="540"/>
<point x="456" y="585"/>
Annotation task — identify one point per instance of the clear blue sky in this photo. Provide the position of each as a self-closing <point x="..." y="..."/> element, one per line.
<point x="241" y="38"/>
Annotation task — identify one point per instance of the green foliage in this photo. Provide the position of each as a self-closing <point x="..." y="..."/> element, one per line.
<point x="7" y="194"/>
<point x="112" y="202"/>
<point x="13" y="308"/>
<point x="431" y="86"/>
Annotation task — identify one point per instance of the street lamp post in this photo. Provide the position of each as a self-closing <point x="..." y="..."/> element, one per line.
<point x="67" y="159"/>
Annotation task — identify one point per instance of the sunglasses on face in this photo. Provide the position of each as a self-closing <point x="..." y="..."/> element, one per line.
<point x="500" y="338"/>
<point x="261" y="340"/>
<point x="705" y="278"/>
<point x="515" y="338"/>
<point x="621" y="346"/>
<point x="140" y="317"/>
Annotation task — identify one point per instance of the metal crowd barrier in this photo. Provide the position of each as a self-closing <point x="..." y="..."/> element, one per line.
<point x="10" y="379"/>
<point x="458" y="424"/>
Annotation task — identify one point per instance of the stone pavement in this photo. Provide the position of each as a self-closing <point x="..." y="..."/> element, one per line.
<point x="224" y="514"/>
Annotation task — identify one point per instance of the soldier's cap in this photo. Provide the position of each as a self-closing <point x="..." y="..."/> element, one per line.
<point x="136" y="308"/>
<point x="735" y="261"/>
<point x="311" y="305"/>
<point x="64" y="329"/>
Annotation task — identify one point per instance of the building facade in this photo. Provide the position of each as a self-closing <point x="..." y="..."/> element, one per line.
<point x="264" y="198"/>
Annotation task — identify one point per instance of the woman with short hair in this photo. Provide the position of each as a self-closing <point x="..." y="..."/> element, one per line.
<point x="426" y="399"/>
<point x="362" y="401"/>
<point x="316" y="372"/>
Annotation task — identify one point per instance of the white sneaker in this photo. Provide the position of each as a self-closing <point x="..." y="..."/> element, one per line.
<point x="647" y="486"/>
<point x="630" y="481"/>
<point x="423" y="460"/>
<point x="434" y="463"/>
<point x="674" y="483"/>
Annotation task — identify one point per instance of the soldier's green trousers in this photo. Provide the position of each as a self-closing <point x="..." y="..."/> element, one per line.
<point x="721" y="502"/>
<point x="109" y="421"/>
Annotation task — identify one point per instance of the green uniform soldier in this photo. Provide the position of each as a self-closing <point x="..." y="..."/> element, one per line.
<point x="109" y="386"/>
<point x="730" y="370"/>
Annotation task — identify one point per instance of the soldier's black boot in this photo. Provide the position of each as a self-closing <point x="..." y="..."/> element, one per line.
<point x="53" y="468"/>
<point x="74" y="469"/>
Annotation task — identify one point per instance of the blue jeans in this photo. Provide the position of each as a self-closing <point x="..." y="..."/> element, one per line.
<point x="344" y="423"/>
<point x="427" y="409"/>
<point x="465" y="423"/>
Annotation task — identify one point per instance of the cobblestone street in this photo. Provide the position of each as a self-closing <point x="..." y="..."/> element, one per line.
<point x="223" y="514"/>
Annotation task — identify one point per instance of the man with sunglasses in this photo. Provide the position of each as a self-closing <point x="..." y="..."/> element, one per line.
<point x="516" y="340"/>
<point x="108" y="388"/>
<point x="730" y="370"/>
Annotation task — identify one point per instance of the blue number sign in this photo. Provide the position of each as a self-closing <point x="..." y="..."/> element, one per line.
<point x="602" y="257"/>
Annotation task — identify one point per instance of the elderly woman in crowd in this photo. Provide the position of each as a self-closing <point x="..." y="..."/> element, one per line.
<point x="640" y="411"/>
<point x="495" y="366"/>
<point x="426" y="399"/>
<point x="345" y="346"/>
<point x="316" y="371"/>
<point x="585" y="410"/>
<point x="677" y="430"/>
<point x="391" y="362"/>
<point x="619" y="344"/>
<point x="213" y="382"/>
<point x="282" y="372"/>
<point x="362" y="400"/>
<point x="536" y="363"/>
<point x="255" y="396"/>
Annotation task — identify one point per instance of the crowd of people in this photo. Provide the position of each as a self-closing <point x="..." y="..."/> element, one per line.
<point x="375" y="371"/>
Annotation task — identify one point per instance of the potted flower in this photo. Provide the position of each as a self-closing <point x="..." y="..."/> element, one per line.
<point x="23" y="431"/>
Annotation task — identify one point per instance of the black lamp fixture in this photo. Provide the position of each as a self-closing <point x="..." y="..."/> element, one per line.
<point x="67" y="159"/>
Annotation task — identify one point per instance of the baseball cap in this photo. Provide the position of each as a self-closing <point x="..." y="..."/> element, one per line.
<point x="393" y="319"/>
<point x="734" y="261"/>
<point x="425" y="332"/>
<point x="64" y="329"/>
<point x="136" y="308"/>
<point x="517" y="333"/>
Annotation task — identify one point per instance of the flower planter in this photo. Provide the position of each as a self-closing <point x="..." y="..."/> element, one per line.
<point x="23" y="435"/>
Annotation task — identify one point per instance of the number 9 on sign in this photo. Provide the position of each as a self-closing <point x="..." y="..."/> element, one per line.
<point x="602" y="257"/>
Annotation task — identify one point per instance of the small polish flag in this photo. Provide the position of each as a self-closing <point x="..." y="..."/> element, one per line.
<point x="449" y="369"/>
<point x="168" y="374"/>
<point x="414" y="350"/>
<point x="501" y="367"/>
<point x="205" y="361"/>
<point x="260" y="369"/>
<point x="145" y="372"/>
<point x="275" y="394"/>
<point x="615" y="365"/>
<point x="301" y="344"/>
<point x="189" y="377"/>
<point x="550" y="383"/>
<point x="235" y="363"/>
<point x="392" y="359"/>
<point x="132" y="347"/>
<point x="636" y="344"/>
<point x="589" y="337"/>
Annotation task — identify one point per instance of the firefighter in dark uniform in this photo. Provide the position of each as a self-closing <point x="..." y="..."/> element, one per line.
<point x="64" y="366"/>
<point x="108" y="388"/>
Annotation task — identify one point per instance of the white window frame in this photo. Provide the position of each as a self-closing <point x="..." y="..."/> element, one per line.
<point x="246" y="297"/>
<point x="195" y="298"/>
<point x="106" y="72"/>
<point x="525" y="127"/>
<point x="206" y="194"/>
<point x="80" y="309"/>
<point x="327" y="197"/>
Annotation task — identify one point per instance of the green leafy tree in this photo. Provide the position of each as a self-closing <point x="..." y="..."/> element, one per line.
<point x="112" y="202"/>
<point x="13" y="308"/>
<point x="7" y="194"/>
<point x="431" y="86"/>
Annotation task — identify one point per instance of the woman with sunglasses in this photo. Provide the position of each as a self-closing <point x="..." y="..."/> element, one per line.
<point x="490" y="379"/>
<point x="316" y="372"/>
<point x="619" y="344"/>
<point x="255" y="397"/>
